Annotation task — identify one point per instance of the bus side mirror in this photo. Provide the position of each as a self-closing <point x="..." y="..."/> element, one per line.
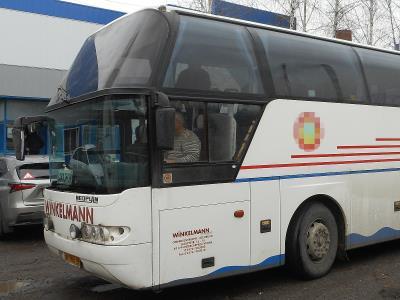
<point x="18" y="133"/>
<point x="19" y="143"/>
<point x="165" y="128"/>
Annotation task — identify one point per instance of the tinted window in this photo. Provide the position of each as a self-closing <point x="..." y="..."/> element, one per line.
<point x="123" y="54"/>
<point x="80" y="155"/>
<point x="382" y="72"/>
<point x="213" y="56"/>
<point x="94" y="157"/>
<point x="106" y="158"/>
<point x="71" y="136"/>
<point x="308" y="68"/>
<point x="33" y="171"/>
<point x="230" y="127"/>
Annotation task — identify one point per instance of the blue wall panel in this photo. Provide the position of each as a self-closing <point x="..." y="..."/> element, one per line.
<point x="61" y="9"/>
<point x="227" y="9"/>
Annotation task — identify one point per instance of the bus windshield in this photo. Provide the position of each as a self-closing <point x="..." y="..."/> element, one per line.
<point x="123" y="54"/>
<point x="100" y="146"/>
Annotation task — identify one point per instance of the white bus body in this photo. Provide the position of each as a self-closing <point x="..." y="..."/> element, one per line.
<point x="165" y="222"/>
<point x="303" y="158"/>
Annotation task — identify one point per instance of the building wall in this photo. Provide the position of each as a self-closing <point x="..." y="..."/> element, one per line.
<point x="29" y="82"/>
<point x="38" y="42"/>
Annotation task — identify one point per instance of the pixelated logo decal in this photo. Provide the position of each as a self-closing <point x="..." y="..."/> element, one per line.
<point x="308" y="131"/>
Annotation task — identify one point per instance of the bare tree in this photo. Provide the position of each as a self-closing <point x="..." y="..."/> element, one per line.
<point x="335" y="13"/>
<point x="306" y="12"/>
<point x="290" y="8"/>
<point x="286" y="7"/>
<point x="199" y="5"/>
<point x="392" y="10"/>
<point x="366" y="22"/>
<point x="373" y="22"/>
<point x="303" y="11"/>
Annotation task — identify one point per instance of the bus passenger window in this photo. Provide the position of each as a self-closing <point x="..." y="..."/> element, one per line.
<point x="246" y="119"/>
<point x="230" y="127"/>
<point x="307" y="68"/>
<point x="189" y="133"/>
<point x="213" y="56"/>
<point x="381" y="73"/>
<point x="211" y="132"/>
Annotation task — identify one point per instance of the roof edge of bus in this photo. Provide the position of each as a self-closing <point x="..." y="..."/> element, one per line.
<point x="191" y="12"/>
<point x="155" y="8"/>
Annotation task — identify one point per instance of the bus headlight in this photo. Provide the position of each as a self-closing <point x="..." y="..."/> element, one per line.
<point x="99" y="234"/>
<point x="74" y="232"/>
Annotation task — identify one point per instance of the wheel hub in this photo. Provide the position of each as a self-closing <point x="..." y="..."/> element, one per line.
<point x="318" y="241"/>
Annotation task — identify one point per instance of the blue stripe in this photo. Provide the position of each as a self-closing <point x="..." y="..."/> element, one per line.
<point x="270" y="262"/>
<point x="270" y="178"/>
<point x="383" y="234"/>
<point x="65" y="10"/>
<point x="18" y="98"/>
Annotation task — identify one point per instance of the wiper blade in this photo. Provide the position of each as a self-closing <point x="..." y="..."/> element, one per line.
<point x="63" y="95"/>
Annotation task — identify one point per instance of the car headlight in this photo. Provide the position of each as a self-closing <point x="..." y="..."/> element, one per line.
<point x="99" y="234"/>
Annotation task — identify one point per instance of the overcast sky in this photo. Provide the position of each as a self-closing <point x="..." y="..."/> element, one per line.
<point x="123" y="5"/>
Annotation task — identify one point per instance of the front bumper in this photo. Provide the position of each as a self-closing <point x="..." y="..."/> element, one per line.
<point x="128" y="265"/>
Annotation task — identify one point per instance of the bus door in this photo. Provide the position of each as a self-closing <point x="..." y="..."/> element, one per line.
<point x="203" y="214"/>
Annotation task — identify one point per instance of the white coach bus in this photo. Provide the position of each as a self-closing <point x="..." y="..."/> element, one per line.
<point x="186" y="147"/>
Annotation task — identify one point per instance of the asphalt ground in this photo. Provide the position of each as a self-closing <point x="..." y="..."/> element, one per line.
<point x="29" y="271"/>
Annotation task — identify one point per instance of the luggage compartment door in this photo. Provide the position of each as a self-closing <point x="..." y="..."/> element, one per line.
<point x="203" y="240"/>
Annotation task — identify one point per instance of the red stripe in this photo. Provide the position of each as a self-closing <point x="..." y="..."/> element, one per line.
<point x="321" y="163"/>
<point x="368" y="147"/>
<point x="344" y="154"/>
<point x="387" y="139"/>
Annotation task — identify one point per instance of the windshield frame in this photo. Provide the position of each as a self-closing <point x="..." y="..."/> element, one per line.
<point x="142" y="91"/>
<point x="109" y="95"/>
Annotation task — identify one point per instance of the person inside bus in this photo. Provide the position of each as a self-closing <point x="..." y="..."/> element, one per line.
<point x="194" y="77"/>
<point x="186" y="144"/>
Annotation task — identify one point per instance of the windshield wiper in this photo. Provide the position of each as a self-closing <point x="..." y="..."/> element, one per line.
<point x="63" y="95"/>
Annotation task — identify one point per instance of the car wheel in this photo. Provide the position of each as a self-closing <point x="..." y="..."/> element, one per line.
<point x="312" y="242"/>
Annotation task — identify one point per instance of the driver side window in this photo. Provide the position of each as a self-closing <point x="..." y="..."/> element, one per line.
<point x="210" y="139"/>
<point x="211" y="132"/>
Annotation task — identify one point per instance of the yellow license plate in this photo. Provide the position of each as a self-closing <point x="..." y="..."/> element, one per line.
<point x="72" y="260"/>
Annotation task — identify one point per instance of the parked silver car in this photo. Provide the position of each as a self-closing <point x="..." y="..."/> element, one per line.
<point x="21" y="191"/>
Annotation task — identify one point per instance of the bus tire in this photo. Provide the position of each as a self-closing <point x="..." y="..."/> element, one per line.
<point x="312" y="242"/>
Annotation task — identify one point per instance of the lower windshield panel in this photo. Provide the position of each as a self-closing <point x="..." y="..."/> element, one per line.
<point x="100" y="146"/>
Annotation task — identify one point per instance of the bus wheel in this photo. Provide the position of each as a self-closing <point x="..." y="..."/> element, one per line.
<point x="313" y="242"/>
